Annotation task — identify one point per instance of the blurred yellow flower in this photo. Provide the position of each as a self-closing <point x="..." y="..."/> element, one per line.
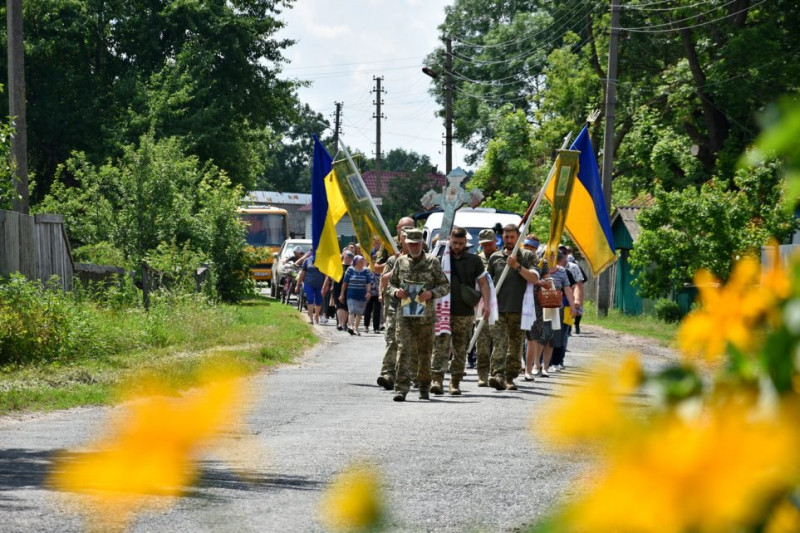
<point x="353" y="500"/>
<point x="593" y="410"/>
<point x="774" y="277"/>
<point x="716" y="473"/>
<point x="152" y="449"/>
<point x="729" y="314"/>
<point x="785" y="519"/>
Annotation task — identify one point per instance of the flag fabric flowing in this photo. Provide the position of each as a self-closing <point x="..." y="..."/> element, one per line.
<point x="367" y="221"/>
<point x="564" y="169"/>
<point x="327" y="208"/>
<point x="587" y="220"/>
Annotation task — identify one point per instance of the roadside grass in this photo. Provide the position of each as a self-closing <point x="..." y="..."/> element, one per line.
<point x="172" y="344"/>
<point x="641" y="325"/>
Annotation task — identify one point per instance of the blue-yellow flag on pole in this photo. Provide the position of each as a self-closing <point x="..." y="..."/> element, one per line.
<point x="327" y="208"/>
<point x="587" y="220"/>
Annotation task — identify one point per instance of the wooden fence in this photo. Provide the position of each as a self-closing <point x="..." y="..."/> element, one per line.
<point x="35" y="246"/>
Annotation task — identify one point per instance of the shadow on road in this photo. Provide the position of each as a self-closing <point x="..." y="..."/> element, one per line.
<point x="24" y="468"/>
<point x="216" y="475"/>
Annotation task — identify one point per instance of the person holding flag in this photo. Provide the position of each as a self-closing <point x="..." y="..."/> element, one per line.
<point x="506" y="357"/>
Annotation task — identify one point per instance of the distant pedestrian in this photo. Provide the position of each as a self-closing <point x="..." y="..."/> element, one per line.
<point x="312" y="280"/>
<point x="356" y="287"/>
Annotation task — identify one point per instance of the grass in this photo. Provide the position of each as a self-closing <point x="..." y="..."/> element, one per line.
<point x="256" y="334"/>
<point x="640" y="325"/>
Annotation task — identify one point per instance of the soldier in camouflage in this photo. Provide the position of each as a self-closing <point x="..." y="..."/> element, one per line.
<point x="465" y="268"/>
<point x="415" y="333"/>
<point x="506" y="363"/>
<point x="389" y="364"/>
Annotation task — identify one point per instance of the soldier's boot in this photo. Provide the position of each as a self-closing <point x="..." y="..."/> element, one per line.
<point x="386" y="381"/>
<point x="483" y="380"/>
<point x="436" y="384"/>
<point x="399" y="396"/>
<point x="454" y="390"/>
<point x="497" y="382"/>
<point x="423" y="395"/>
<point x="510" y="385"/>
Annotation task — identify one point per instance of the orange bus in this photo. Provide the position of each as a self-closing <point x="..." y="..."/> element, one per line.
<point x="267" y="228"/>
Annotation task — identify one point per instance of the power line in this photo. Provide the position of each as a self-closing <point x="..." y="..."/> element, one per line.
<point x="635" y="30"/>
<point x="543" y="46"/>
<point x="670" y="23"/>
<point x="519" y="40"/>
<point x="355" y="63"/>
<point x="671" y="8"/>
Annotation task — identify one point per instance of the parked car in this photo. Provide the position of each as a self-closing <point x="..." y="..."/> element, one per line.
<point x="279" y="265"/>
<point x="473" y="220"/>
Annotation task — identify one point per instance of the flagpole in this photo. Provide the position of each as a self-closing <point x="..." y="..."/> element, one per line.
<point x="371" y="200"/>
<point x="523" y="231"/>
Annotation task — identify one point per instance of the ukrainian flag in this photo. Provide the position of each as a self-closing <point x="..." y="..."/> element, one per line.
<point x="587" y="220"/>
<point x="327" y="208"/>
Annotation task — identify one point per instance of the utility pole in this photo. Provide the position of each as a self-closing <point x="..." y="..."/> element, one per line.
<point x="448" y="109"/>
<point x="448" y="103"/>
<point x="604" y="283"/>
<point x="16" y="103"/>
<point x="378" y="115"/>
<point x="337" y="126"/>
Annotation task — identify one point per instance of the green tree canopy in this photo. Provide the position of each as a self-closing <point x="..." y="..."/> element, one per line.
<point x="102" y="73"/>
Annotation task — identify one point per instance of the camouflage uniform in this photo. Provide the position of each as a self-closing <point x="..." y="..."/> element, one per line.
<point x="506" y="358"/>
<point x="460" y="334"/>
<point x="415" y="334"/>
<point x="389" y="312"/>
<point x="466" y="267"/>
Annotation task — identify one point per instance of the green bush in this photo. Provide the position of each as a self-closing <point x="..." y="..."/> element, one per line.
<point x="667" y="310"/>
<point x="151" y="195"/>
<point x="37" y="323"/>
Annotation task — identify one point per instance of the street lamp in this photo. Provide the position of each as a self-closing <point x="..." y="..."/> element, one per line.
<point x="448" y="105"/>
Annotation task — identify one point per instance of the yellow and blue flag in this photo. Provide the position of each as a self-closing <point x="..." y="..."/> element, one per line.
<point x="327" y="208"/>
<point x="587" y="220"/>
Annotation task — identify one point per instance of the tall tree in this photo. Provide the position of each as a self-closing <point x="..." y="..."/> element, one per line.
<point x="102" y="72"/>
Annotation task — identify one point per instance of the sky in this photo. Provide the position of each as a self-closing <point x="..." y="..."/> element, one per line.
<point x="343" y="44"/>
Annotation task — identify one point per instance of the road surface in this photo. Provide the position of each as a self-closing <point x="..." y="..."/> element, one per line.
<point x="452" y="464"/>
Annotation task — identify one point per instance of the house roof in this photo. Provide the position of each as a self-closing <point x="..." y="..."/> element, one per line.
<point x="626" y="214"/>
<point x="272" y="197"/>
<point x="371" y="181"/>
<point x="370" y="177"/>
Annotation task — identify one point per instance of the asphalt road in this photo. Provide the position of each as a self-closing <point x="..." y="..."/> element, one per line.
<point x="452" y="464"/>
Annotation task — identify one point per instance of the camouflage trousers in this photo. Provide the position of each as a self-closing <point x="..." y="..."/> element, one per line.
<point x="483" y="348"/>
<point x="414" y="346"/>
<point x="390" y="354"/>
<point x="506" y="358"/>
<point x="461" y="333"/>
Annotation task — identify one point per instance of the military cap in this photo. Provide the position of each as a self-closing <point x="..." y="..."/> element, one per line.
<point x="486" y="235"/>
<point x="413" y="235"/>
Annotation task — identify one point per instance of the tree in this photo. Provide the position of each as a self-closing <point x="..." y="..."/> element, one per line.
<point x="689" y="85"/>
<point x="102" y="73"/>
<point x="288" y="159"/>
<point x="154" y="196"/>
<point x="708" y="227"/>
<point x="405" y="192"/>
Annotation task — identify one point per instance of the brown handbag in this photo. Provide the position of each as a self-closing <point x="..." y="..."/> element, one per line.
<point x="550" y="298"/>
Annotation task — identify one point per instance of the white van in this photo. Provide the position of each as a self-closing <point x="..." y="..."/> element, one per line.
<point x="473" y="220"/>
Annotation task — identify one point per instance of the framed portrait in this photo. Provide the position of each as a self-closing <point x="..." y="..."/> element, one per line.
<point x="411" y="306"/>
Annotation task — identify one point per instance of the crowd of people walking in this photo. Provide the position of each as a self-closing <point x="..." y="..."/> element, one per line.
<point x="428" y="307"/>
